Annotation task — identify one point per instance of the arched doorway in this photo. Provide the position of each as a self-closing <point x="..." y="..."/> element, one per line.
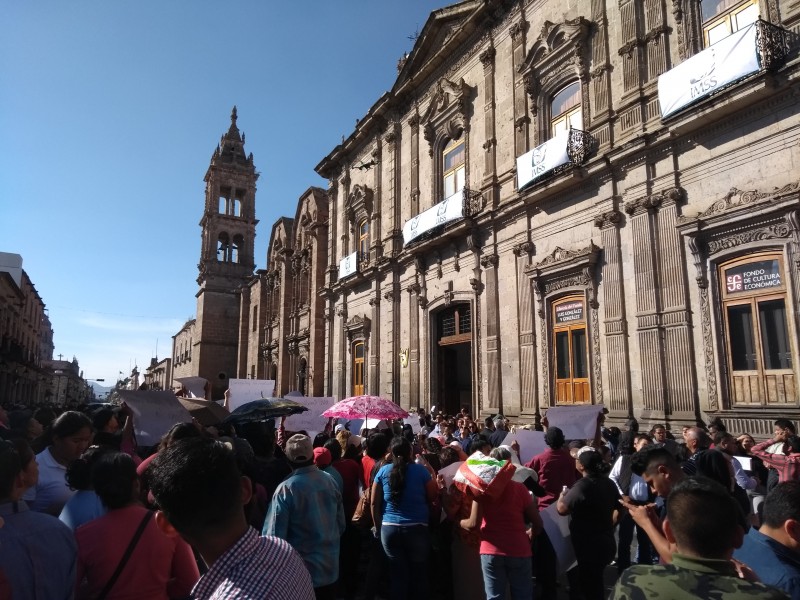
<point x="453" y="358"/>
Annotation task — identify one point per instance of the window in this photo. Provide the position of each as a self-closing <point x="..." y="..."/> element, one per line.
<point x="358" y="368"/>
<point x="565" y="110"/>
<point x="570" y="351"/>
<point x="724" y="17"/>
<point x="453" y="167"/>
<point x="236" y="249"/>
<point x="255" y="317"/>
<point x="363" y="241"/>
<point x="223" y="247"/>
<point x="455" y="325"/>
<point x="759" y="349"/>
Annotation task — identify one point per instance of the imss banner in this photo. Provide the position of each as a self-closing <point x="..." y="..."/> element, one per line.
<point x="542" y="159"/>
<point x="706" y="72"/>
<point x="449" y="209"/>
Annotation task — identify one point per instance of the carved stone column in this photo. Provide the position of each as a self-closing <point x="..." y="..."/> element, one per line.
<point x="489" y="185"/>
<point x="676" y="320"/>
<point x="333" y="190"/>
<point x="413" y="123"/>
<point x="655" y="38"/>
<point x="614" y="322"/>
<point x="647" y="301"/>
<point x="392" y="337"/>
<point x="375" y="344"/>
<point x="521" y="118"/>
<point x="601" y="77"/>
<point x="494" y="392"/>
<point x="344" y="228"/>
<point x="631" y="51"/>
<point x="377" y="209"/>
<point x="527" y="350"/>
<point x="344" y="351"/>
<point x="393" y="205"/>
<point x="414" y="303"/>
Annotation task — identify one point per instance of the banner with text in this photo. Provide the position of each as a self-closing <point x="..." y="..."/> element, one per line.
<point x="542" y="159"/>
<point x="348" y="265"/>
<point x="247" y="390"/>
<point x="449" y="209"/>
<point x="706" y="72"/>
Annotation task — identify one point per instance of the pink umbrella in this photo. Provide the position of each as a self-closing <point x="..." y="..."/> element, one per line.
<point x="363" y="407"/>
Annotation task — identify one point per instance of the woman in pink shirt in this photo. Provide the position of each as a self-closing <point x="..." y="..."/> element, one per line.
<point x="158" y="567"/>
<point x="505" y="541"/>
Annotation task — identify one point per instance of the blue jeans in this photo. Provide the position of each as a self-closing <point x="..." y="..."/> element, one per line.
<point x="407" y="549"/>
<point x="514" y="571"/>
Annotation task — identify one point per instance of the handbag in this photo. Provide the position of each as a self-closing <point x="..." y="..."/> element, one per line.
<point x="128" y="551"/>
<point x="362" y="517"/>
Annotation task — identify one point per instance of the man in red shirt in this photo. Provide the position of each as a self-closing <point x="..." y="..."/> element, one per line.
<point x="556" y="469"/>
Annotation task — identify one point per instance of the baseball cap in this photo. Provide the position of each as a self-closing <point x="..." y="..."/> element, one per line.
<point x="322" y="457"/>
<point x="299" y="449"/>
<point x="338" y="428"/>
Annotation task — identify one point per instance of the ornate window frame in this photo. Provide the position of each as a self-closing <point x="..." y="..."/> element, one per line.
<point x="558" y="58"/>
<point x="446" y="119"/>
<point x="689" y="20"/>
<point x="568" y="273"/>
<point x="358" y="208"/>
<point x="740" y="222"/>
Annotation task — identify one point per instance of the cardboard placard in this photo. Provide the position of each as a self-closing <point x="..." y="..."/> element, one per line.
<point x="154" y="414"/>
<point x="196" y="386"/>
<point x="557" y="528"/>
<point x="247" y="390"/>
<point x="577" y="422"/>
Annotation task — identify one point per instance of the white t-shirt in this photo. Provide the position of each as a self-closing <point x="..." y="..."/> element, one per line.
<point x="51" y="492"/>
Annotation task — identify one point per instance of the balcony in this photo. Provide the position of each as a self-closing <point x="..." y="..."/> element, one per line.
<point x="731" y="65"/>
<point x="558" y="154"/>
<point x="429" y="223"/>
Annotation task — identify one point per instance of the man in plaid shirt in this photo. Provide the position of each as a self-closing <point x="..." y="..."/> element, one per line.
<point x="787" y="463"/>
<point x="201" y="496"/>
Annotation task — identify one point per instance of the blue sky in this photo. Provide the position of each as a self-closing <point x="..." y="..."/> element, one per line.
<point x="109" y="114"/>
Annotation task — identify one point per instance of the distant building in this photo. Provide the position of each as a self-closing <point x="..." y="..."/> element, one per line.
<point x="158" y="375"/>
<point x="26" y="337"/>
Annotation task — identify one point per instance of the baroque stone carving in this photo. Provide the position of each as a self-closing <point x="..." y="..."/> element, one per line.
<point x="708" y="350"/>
<point x="560" y="255"/>
<point x="608" y="219"/>
<point x="778" y="231"/>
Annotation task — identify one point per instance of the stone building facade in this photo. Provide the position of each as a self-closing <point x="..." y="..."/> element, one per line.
<point x="282" y="322"/>
<point x="26" y="337"/>
<point x="528" y="218"/>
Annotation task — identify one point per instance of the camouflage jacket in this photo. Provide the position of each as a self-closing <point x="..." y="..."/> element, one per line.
<point x="689" y="577"/>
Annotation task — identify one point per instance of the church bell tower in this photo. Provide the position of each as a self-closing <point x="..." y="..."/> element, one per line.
<point x="226" y="257"/>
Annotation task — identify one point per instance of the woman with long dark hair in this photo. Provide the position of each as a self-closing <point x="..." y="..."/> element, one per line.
<point x="85" y="505"/>
<point x="69" y="437"/>
<point x="157" y="567"/>
<point x="403" y="495"/>
<point x="592" y="504"/>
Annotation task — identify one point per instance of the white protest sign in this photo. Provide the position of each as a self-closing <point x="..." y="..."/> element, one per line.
<point x="557" y="528"/>
<point x="577" y="422"/>
<point x="310" y="421"/>
<point x="745" y="461"/>
<point x="196" y="386"/>
<point x="247" y="390"/>
<point x="531" y="443"/>
<point x="449" y="472"/>
<point x="413" y="420"/>
<point x="154" y="413"/>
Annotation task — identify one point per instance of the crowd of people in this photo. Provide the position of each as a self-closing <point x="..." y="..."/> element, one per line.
<point x="256" y="511"/>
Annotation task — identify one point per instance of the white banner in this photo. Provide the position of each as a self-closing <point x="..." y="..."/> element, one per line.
<point x="247" y="390"/>
<point x="577" y="422"/>
<point x="704" y="73"/>
<point x="449" y="209"/>
<point x="542" y="159"/>
<point x="310" y="421"/>
<point x="348" y="265"/>
<point x="557" y="528"/>
<point x="154" y="414"/>
<point x="196" y="386"/>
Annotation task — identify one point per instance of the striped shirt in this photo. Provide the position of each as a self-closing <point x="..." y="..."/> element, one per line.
<point x="787" y="465"/>
<point x="256" y="568"/>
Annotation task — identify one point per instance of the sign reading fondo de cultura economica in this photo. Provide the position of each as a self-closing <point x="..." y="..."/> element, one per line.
<point x="706" y="72"/>
<point x="753" y="276"/>
<point x="449" y="209"/>
<point x="542" y="159"/>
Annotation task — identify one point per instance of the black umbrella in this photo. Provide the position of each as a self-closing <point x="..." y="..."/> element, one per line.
<point x="261" y="410"/>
